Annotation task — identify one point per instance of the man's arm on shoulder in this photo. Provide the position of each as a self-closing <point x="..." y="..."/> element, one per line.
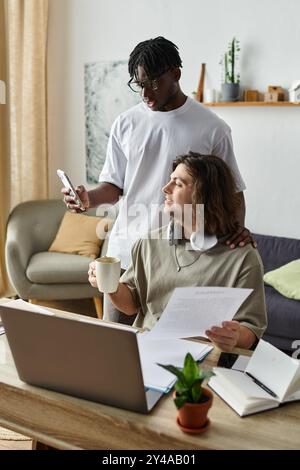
<point x="242" y="236"/>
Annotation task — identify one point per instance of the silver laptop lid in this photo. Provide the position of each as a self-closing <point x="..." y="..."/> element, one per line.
<point x="84" y="357"/>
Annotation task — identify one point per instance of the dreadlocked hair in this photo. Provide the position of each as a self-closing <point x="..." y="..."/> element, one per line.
<point x="155" y="56"/>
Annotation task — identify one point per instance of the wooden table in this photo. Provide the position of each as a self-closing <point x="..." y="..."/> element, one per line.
<point x="66" y="422"/>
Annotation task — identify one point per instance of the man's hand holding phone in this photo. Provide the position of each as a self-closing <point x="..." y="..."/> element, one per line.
<point x="76" y="199"/>
<point x="72" y="203"/>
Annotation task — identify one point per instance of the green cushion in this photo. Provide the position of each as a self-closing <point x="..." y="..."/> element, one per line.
<point x="286" y="279"/>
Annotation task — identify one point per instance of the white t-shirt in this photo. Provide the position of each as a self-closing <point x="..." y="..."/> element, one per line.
<point x="141" y="148"/>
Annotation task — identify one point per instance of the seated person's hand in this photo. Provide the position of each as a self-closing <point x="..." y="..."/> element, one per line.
<point x="92" y="274"/>
<point x="225" y="337"/>
<point x="241" y="238"/>
<point x="70" y="201"/>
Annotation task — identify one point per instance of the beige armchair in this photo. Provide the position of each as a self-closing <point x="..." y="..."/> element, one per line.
<point x="37" y="274"/>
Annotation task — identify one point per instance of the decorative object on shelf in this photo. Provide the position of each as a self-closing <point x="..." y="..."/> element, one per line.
<point x="294" y="92"/>
<point x="274" y="93"/>
<point x="230" y="76"/>
<point x="277" y="89"/>
<point x="192" y="400"/>
<point x="210" y="95"/>
<point x="199" y="95"/>
<point x="251" y="95"/>
<point x="241" y="104"/>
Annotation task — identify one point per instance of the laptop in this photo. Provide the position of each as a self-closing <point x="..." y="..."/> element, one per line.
<point x="76" y="355"/>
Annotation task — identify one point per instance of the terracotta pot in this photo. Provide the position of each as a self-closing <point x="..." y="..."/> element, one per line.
<point x="194" y="415"/>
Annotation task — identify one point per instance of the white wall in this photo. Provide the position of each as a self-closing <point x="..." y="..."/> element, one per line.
<point x="267" y="142"/>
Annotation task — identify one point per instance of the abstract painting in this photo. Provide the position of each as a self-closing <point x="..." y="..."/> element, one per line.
<point x="106" y="96"/>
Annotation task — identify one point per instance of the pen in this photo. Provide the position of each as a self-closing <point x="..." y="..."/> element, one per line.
<point x="261" y="385"/>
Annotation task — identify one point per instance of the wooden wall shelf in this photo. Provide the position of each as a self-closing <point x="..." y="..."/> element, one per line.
<point x="252" y="103"/>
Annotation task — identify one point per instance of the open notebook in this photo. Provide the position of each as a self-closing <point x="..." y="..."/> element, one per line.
<point x="270" y="379"/>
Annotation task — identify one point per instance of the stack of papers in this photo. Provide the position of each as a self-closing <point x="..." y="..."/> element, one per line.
<point x="165" y="351"/>
<point x="189" y="313"/>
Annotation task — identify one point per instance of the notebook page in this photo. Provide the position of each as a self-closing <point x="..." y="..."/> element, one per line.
<point x="273" y="368"/>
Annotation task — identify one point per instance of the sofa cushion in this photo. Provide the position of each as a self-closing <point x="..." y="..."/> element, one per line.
<point x="286" y="280"/>
<point x="283" y="314"/>
<point x="80" y="234"/>
<point x="56" y="268"/>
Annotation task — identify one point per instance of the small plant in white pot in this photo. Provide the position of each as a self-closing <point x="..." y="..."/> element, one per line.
<point x="230" y="75"/>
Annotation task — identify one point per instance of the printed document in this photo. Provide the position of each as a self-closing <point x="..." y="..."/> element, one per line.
<point x="193" y="310"/>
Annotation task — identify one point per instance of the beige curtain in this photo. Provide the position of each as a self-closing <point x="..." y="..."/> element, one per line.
<point x="24" y="155"/>
<point x="27" y="41"/>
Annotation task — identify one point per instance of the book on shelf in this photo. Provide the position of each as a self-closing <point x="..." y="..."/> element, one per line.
<point x="270" y="379"/>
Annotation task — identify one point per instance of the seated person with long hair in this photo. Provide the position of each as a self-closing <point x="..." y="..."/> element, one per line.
<point x="158" y="267"/>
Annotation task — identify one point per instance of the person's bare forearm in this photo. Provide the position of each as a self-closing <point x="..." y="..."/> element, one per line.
<point x="105" y="193"/>
<point x="123" y="300"/>
<point x="241" y="209"/>
<point x="246" y="338"/>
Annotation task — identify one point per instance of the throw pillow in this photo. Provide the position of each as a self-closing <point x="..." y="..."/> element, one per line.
<point x="286" y="280"/>
<point x="80" y="234"/>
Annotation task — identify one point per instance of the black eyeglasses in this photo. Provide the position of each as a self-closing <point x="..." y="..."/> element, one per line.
<point x="137" y="87"/>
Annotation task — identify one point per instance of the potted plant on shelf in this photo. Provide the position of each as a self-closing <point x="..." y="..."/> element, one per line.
<point x="230" y="76"/>
<point x="192" y="400"/>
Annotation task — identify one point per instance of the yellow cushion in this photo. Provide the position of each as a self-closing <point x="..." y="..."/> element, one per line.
<point x="80" y="234"/>
<point x="286" y="280"/>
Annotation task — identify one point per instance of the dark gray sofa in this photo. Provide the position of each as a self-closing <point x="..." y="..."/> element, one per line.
<point x="283" y="313"/>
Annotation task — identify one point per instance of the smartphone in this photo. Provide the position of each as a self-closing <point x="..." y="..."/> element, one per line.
<point x="68" y="185"/>
<point x="233" y="361"/>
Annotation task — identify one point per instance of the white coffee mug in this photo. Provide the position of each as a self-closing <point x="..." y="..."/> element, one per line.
<point x="108" y="271"/>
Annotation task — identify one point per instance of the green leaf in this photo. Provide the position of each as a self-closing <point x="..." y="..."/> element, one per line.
<point x="196" y="393"/>
<point x="181" y="387"/>
<point x="174" y="370"/>
<point x="190" y="370"/>
<point x="189" y="380"/>
<point x="180" y="401"/>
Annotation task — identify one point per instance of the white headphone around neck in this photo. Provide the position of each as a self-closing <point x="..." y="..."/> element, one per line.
<point x="199" y="241"/>
<point x="174" y="232"/>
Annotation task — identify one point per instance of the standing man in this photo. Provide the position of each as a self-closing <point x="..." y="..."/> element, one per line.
<point x="144" y="141"/>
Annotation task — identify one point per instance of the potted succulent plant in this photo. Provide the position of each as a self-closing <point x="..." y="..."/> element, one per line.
<point x="230" y="76"/>
<point x="192" y="400"/>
